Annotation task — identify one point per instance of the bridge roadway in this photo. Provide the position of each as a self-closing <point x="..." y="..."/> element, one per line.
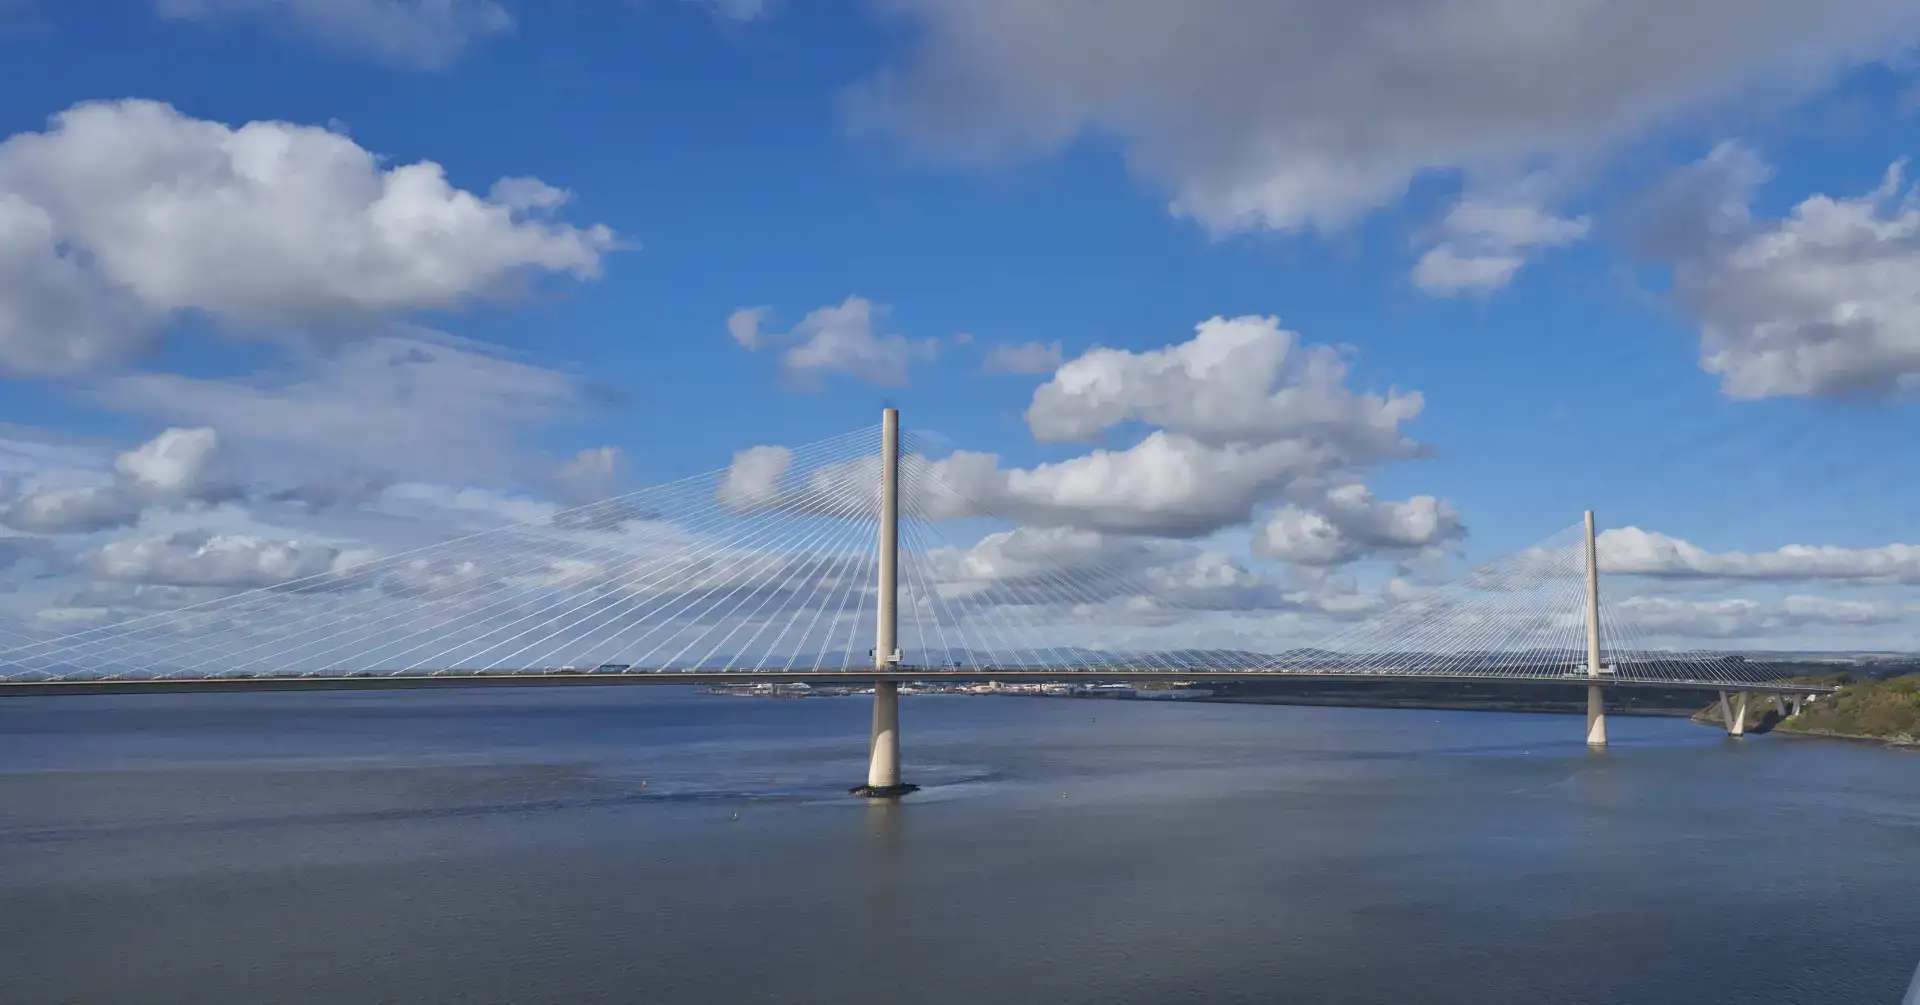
<point x="905" y="675"/>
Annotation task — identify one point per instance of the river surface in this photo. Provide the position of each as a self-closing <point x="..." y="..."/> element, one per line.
<point x="653" y="846"/>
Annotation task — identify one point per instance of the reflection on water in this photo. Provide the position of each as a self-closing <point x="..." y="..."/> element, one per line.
<point x="880" y="865"/>
<point x="645" y="846"/>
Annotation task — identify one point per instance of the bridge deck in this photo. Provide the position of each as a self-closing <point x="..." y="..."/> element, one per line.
<point x="1024" y="675"/>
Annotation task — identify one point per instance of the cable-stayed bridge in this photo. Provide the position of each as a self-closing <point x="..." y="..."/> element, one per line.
<point x="843" y="561"/>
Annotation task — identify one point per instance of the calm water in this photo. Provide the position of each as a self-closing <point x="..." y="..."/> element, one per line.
<point x="581" y="845"/>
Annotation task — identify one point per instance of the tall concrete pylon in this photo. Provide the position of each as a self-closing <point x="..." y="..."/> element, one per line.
<point x="883" y="748"/>
<point x="1596" y="696"/>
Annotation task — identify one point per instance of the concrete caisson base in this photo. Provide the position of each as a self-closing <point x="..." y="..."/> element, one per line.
<point x="1596" y="717"/>
<point x="883" y="750"/>
<point x="884" y="791"/>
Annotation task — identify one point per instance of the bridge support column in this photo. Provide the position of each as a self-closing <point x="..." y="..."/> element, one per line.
<point x="1596" y="696"/>
<point x="883" y="748"/>
<point x="1733" y="711"/>
<point x="1780" y="705"/>
<point x="1799" y="702"/>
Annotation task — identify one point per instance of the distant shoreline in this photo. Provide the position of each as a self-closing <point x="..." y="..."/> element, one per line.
<point x="1568" y="708"/>
<point x="1322" y="701"/>
<point x="1854" y="703"/>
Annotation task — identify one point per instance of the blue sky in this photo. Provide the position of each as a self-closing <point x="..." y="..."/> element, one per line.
<point x="1110" y="177"/>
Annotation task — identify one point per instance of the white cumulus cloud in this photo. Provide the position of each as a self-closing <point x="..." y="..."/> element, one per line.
<point x="1823" y="301"/>
<point x="840" y="338"/>
<point x="178" y="462"/>
<point x="753" y="480"/>
<point x="223" y="560"/>
<point x="1634" y="551"/>
<point x="1742" y="618"/>
<point x="1078" y="570"/>
<point x="586" y="482"/>
<point x="176" y="467"/>
<point x="1168" y="485"/>
<point x="1240" y="380"/>
<point x="744" y="325"/>
<point x="1484" y="242"/>
<point x="1350" y="523"/>
<point x="1244" y="415"/>
<point x="71" y="510"/>
<point x="589" y="475"/>
<point x="125" y="214"/>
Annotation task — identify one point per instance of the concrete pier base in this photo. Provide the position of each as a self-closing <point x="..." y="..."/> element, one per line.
<point x="883" y="750"/>
<point x="1733" y="712"/>
<point x="1780" y="705"/>
<point x="1596" y="717"/>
